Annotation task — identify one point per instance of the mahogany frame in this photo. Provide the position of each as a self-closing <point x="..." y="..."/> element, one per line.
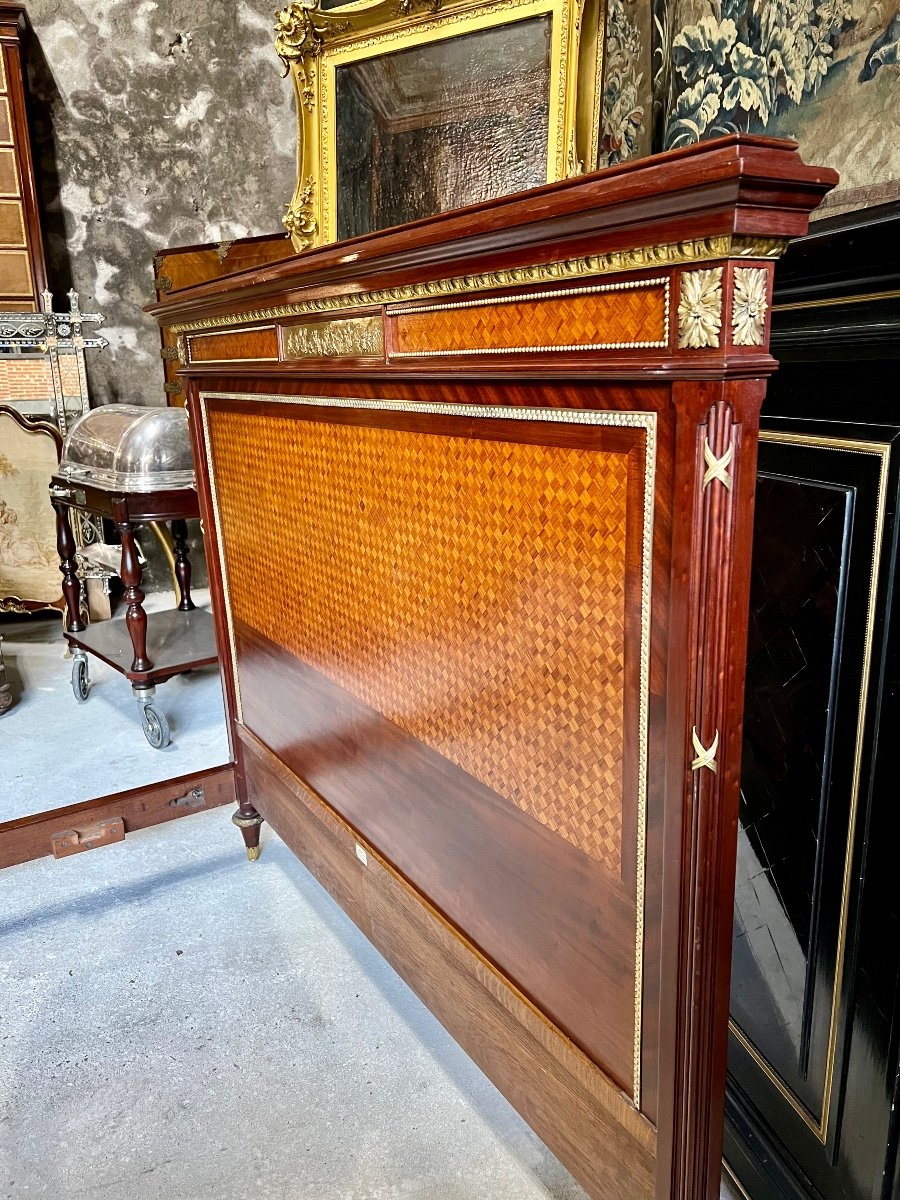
<point x="707" y="222"/>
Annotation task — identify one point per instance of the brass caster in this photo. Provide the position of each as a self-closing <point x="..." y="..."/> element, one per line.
<point x="253" y="852"/>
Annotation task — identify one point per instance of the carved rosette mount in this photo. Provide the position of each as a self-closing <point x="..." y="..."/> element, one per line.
<point x="749" y="305"/>
<point x="700" y="309"/>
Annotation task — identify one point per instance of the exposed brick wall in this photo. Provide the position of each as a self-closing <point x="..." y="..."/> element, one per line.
<point x="30" y="378"/>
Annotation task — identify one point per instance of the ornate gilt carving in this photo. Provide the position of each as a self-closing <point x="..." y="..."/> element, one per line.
<point x="705" y="755"/>
<point x="749" y="305"/>
<point x="302" y="31"/>
<point x="700" y="309"/>
<point x="161" y="281"/>
<point x="406" y="8"/>
<point x="667" y="255"/>
<point x="717" y="468"/>
<point x="300" y="219"/>
<point x="246" y="822"/>
<point x="359" y="337"/>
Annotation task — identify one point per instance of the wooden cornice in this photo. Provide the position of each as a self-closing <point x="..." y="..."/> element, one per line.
<point x="14" y="21"/>
<point x="742" y="185"/>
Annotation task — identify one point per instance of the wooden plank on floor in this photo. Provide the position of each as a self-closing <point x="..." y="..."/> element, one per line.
<point x="30" y="837"/>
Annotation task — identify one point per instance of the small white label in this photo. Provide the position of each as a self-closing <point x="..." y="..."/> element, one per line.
<point x="361" y="855"/>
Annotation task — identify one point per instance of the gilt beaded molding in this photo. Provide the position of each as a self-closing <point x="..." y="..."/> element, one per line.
<point x="670" y="254"/>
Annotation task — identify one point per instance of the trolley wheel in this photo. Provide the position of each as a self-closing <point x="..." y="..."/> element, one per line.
<point x="81" y="682"/>
<point x="155" y="726"/>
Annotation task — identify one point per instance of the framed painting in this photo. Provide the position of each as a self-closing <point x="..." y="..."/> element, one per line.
<point x="409" y="109"/>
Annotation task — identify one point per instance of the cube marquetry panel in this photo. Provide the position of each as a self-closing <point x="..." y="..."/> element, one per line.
<point x="248" y="345"/>
<point x="608" y="316"/>
<point x="472" y="591"/>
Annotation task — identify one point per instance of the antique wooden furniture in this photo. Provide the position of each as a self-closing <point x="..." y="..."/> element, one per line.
<point x="29" y="455"/>
<point x="132" y="465"/>
<point x="478" y="494"/>
<point x="26" y="838"/>
<point x="23" y="274"/>
<point x="184" y="266"/>
<point x="813" y="1082"/>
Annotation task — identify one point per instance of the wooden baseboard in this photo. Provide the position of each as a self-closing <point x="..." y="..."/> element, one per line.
<point x="584" y="1119"/>
<point x="30" y="837"/>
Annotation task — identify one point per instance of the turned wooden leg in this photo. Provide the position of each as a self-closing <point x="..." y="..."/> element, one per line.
<point x="68" y="565"/>
<point x="135" y="617"/>
<point x="248" y="822"/>
<point x="182" y="565"/>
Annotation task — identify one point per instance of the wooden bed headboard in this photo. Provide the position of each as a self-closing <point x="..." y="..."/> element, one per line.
<point x="478" y="503"/>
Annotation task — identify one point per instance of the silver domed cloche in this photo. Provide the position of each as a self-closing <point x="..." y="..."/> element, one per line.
<point x="128" y="447"/>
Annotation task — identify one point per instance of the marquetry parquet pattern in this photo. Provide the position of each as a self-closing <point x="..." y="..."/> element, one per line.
<point x="471" y="591"/>
<point x="625" y="316"/>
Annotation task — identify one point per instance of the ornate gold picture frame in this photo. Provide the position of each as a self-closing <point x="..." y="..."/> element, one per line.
<point x="407" y="107"/>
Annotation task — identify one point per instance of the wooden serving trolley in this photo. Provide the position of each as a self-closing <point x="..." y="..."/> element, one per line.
<point x="127" y="464"/>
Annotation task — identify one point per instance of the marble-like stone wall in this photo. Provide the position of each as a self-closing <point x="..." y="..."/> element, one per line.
<point x="156" y="123"/>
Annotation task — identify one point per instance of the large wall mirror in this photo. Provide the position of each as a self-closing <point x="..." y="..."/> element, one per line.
<point x="404" y="113"/>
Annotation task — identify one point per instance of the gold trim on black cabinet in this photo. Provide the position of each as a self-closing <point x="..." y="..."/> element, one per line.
<point x="883" y="451"/>
<point x="836" y="301"/>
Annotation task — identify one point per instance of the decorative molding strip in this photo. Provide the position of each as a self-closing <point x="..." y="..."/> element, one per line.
<point x="356" y="337"/>
<point x="490" y="301"/>
<point x="246" y="822"/>
<point x="700" y="309"/>
<point x="717" y="468"/>
<point x="706" y="757"/>
<point x="749" y="305"/>
<point x="642" y="258"/>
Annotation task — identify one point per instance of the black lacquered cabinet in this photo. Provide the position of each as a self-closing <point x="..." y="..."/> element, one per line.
<point x="814" y="1046"/>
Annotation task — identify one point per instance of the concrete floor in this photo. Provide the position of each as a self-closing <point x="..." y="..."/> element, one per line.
<point x="180" y="1024"/>
<point x="98" y="747"/>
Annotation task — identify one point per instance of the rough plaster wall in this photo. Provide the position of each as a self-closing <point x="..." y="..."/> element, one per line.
<point x="156" y="123"/>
